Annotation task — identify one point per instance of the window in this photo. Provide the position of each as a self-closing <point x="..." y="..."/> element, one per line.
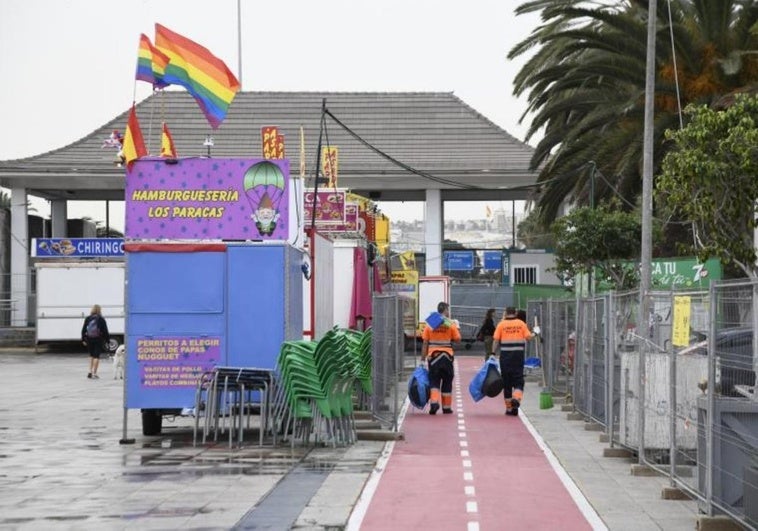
<point x="525" y="274"/>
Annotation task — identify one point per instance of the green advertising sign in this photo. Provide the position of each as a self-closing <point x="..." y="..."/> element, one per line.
<point x="683" y="273"/>
<point x="674" y="273"/>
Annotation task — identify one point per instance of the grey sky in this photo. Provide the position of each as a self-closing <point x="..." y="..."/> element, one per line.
<point x="67" y="66"/>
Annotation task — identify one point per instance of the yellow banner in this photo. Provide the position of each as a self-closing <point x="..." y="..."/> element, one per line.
<point x="408" y="260"/>
<point x="405" y="284"/>
<point x="680" y="335"/>
<point x="330" y="164"/>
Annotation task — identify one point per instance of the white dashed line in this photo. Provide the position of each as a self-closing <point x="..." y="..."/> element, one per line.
<point x="472" y="526"/>
<point x="468" y="476"/>
<point x="462" y="434"/>
<point x="464" y="453"/>
<point x="467" y="463"/>
<point x="463" y="443"/>
<point x="469" y="490"/>
<point x="471" y="507"/>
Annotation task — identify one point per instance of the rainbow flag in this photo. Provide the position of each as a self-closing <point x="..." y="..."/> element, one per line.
<point x="134" y="144"/>
<point x="167" y="143"/>
<point x="151" y="63"/>
<point x="203" y="74"/>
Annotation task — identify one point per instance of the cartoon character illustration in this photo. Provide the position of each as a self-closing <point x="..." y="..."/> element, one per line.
<point x="265" y="216"/>
<point x="264" y="186"/>
<point x="115" y="140"/>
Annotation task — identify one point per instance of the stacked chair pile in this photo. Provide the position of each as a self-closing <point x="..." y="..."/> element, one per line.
<point x="316" y="380"/>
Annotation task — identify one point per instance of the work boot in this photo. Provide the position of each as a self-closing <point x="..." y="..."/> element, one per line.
<point x="515" y="404"/>
<point x="447" y="411"/>
<point x="512" y="412"/>
<point x="433" y="409"/>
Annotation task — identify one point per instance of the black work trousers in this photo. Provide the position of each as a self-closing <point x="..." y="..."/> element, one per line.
<point x="441" y="373"/>
<point x="512" y="370"/>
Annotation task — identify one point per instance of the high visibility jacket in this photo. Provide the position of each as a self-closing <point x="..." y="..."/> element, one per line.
<point x="441" y="338"/>
<point x="512" y="333"/>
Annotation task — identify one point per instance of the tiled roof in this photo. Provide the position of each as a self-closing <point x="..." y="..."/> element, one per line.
<point x="434" y="132"/>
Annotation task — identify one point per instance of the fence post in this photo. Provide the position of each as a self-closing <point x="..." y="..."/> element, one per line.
<point x="548" y="333"/>
<point x="578" y="352"/>
<point x="643" y="327"/>
<point x="711" y="407"/>
<point x="609" y="356"/>
<point x="672" y="402"/>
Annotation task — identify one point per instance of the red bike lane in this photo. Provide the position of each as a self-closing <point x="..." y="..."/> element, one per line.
<point x="476" y="469"/>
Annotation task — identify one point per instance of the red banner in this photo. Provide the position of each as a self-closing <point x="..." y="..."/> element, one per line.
<point x="269" y="136"/>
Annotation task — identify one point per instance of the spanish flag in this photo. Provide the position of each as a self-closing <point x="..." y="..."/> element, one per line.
<point x="168" y="149"/>
<point x="134" y="144"/>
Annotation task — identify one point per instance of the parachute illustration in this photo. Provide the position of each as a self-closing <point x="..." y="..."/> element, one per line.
<point x="264" y="187"/>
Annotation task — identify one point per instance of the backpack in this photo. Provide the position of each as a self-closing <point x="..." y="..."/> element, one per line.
<point x="93" y="328"/>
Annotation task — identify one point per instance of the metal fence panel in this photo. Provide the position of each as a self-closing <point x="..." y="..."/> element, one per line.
<point x="590" y="381"/>
<point x="557" y="319"/>
<point x="387" y="357"/>
<point x="695" y="360"/>
<point x="727" y="449"/>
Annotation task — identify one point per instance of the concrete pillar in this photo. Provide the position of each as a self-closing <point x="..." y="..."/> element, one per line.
<point x="59" y="215"/>
<point x="433" y="228"/>
<point x="19" y="258"/>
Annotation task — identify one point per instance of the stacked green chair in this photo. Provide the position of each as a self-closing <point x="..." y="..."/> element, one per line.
<point x="359" y="344"/>
<point x="334" y="363"/>
<point x="301" y="399"/>
<point x="317" y="382"/>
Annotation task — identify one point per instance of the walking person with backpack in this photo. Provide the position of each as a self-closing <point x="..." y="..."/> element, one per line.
<point x="94" y="335"/>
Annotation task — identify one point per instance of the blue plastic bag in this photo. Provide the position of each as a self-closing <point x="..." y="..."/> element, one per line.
<point x="418" y="387"/>
<point x="475" y="388"/>
<point x="435" y="319"/>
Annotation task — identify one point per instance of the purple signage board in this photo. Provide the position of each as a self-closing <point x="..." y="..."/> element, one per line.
<point x="330" y="208"/>
<point x="207" y="199"/>
<point x="175" y="362"/>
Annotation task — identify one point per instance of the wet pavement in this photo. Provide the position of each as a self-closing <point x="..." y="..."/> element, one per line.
<point x="62" y="467"/>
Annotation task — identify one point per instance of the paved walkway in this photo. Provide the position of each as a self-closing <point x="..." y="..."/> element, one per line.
<point x="490" y="472"/>
<point x="61" y="467"/>
<point x="475" y="469"/>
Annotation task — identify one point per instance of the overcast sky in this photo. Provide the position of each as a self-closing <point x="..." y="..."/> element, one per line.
<point x="68" y="66"/>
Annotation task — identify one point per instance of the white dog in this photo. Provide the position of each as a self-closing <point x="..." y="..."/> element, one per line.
<point x="118" y="362"/>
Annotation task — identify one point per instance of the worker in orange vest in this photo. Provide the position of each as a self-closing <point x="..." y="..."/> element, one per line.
<point x="437" y="350"/>
<point x="509" y="341"/>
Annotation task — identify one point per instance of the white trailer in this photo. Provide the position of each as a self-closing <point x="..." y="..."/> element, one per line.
<point x="66" y="292"/>
<point x="431" y="291"/>
<point x="334" y="271"/>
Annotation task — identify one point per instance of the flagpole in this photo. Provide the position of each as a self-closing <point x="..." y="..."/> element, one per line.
<point x="239" y="41"/>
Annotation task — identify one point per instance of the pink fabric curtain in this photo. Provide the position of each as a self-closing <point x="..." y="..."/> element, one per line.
<point x="360" y="306"/>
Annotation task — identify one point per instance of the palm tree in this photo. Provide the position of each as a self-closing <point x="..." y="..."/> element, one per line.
<point x="586" y="85"/>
